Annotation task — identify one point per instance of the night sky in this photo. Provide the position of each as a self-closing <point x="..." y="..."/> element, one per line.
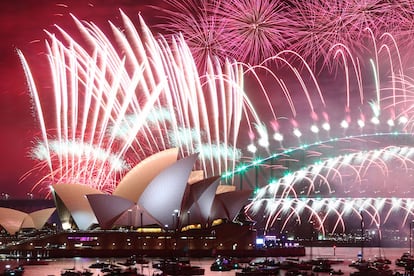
<point x="22" y="26"/>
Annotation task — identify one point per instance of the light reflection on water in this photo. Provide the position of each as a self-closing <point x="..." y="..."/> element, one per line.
<point x="347" y="254"/>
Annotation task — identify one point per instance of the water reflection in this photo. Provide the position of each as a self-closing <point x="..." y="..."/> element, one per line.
<point x="347" y="254"/>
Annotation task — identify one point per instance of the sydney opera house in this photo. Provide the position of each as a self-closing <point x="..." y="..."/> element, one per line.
<point x="161" y="207"/>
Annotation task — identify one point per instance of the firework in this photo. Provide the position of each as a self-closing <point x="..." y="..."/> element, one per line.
<point x="112" y="111"/>
<point x="255" y="30"/>
<point x="198" y="23"/>
<point x="358" y="35"/>
<point x="247" y="31"/>
<point x="326" y="187"/>
<point x="327" y="149"/>
<point x="252" y="31"/>
<point x="342" y="213"/>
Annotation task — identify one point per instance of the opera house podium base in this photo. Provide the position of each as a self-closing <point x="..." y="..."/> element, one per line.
<point x="228" y="239"/>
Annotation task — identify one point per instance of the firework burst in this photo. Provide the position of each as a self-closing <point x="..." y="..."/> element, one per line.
<point x="198" y="23"/>
<point x="322" y="24"/>
<point x="255" y="30"/>
<point x="251" y="31"/>
<point x="247" y="31"/>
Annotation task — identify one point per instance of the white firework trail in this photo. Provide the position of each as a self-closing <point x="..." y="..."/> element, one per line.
<point x="132" y="99"/>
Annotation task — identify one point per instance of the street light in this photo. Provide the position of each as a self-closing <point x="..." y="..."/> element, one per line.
<point x="411" y="231"/>
<point x="188" y="235"/>
<point x="311" y="240"/>
<point x="173" y="222"/>
<point x="176" y="217"/>
<point x="362" y="235"/>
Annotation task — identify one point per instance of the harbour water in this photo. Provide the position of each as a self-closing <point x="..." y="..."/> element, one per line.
<point x="345" y="254"/>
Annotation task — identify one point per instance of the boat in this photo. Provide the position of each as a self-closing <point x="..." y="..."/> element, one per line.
<point x="130" y="271"/>
<point x="184" y="269"/>
<point x="304" y="266"/>
<point x="336" y="272"/>
<point x="359" y="264"/>
<point x="17" y="271"/>
<point x="326" y="260"/>
<point x="74" y="272"/>
<point x="224" y="264"/>
<point x="406" y="260"/>
<point x="70" y="272"/>
<point x="288" y="264"/>
<point x="372" y="271"/>
<point x="177" y="267"/>
<point x="322" y="268"/>
<point x="133" y="260"/>
<point x="99" y="265"/>
<point x="297" y="272"/>
<point x="110" y="268"/>
<point x="264" y="261"/>
<point x="382" y="260"/>
<point x="258" y="271"/>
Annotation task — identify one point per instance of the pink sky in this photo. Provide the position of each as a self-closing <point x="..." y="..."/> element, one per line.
<point x="22" y="25"/>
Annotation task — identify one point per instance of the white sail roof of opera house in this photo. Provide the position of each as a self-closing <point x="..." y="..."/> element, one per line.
<point x="113" y="210"/>
<point x="164" y="178"/>
<point x="13" y="220"/>
<point x="228" y="204"/>
<point x="170" y="189"/>
<point x="37" y="219"/>
<point x="136" y="217"/>
<point x="163" y="196"/>
<point x="73" y="197"/>
<point x="198" y="201"/>
<point x="133" y="184"/>
<point x="108" y="208"/>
